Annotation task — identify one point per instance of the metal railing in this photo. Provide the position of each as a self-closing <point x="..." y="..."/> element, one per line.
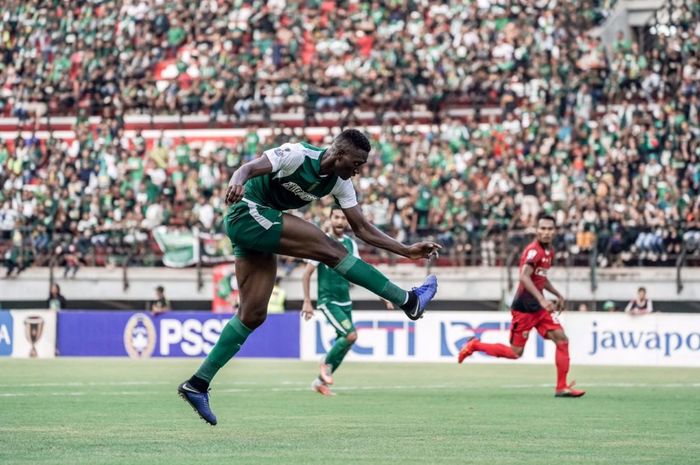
<point x="503" y="250"/>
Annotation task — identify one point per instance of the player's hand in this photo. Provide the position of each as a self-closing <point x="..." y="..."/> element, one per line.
<point x="561" y="304"/>
<point x="234" y="193"/>
<point x="424" y="249"/>
<point x="307" y="310"/>
<point x="389" y="305"/>
<point x="549" y="306"/>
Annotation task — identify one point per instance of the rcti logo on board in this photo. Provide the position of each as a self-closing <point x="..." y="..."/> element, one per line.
<point x="454" y="334"/>
<point x="390" y="338"/>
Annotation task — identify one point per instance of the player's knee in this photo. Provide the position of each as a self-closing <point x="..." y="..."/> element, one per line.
<point x="351" y="338"/>
<point x="331" y="253"/>
<point x="518" y="351"/>
<point x="253" y="318"/>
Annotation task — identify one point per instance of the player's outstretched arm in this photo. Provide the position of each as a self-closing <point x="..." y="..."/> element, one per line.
<point x="248" y="170"/>
<point x="373" y="236"/>
<point x="307" y="310"/>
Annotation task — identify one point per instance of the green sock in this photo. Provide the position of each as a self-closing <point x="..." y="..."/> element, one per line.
<point x="232" y="338"/>
<point x="363" y="274"/>
<point x="335" y="356"/>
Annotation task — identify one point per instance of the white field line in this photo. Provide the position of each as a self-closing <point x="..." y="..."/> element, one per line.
<point x="287" y="388"/>
<point x="608" y="385"/>
<point x="123" y="383"/>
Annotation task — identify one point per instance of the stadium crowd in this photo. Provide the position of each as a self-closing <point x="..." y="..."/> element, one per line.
<point x="609" y="143"/>
<point x="235" y="56"/>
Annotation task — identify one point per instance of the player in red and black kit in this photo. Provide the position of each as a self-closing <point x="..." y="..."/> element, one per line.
<point x="530" y="310"/>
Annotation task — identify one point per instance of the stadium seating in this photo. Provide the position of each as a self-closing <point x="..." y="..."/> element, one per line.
<point x="606" y="140"/>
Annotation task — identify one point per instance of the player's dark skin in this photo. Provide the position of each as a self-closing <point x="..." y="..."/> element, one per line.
<point x="256" y="271"/>
<point x="545" y="235"/>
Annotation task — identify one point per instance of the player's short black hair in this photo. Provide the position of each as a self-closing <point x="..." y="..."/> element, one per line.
<point x="642" y="289"/>
<point x="355" y="138"/>
<point x="335" y="207"/>
<point x="546" y="217"/>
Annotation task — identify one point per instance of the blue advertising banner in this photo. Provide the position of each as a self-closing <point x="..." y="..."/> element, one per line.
<point x="6" y="333"/>
<point x="173" y="334"/>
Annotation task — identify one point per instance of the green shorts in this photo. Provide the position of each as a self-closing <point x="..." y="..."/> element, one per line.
<point x="253" y="227"/>
<point x="339" y="316"/>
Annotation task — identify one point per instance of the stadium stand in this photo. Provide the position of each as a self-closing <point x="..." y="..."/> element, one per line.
<point x="607" y="140"/>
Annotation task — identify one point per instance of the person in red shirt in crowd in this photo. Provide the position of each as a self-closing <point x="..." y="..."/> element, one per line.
<point x="530" y="309"/>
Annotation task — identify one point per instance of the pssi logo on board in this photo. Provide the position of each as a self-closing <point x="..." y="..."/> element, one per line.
<point x="190" y="337"/>
<point x="139" y="336"/>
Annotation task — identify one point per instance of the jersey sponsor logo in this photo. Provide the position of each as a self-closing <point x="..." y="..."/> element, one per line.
<point x="139" y="336"/>
<point x="541" y="272"/>
<point x="280" y="152"/>
<point x="532" y="253"/>
<point x="298" y="191"/>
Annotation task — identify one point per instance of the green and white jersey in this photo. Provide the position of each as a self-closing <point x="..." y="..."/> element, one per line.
<point x="295" y="180"/>
<point x="332" y="287"/>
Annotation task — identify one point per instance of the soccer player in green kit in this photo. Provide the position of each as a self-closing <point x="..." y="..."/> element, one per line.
<point x="334" y="301"/>
<point x="259" y="192"/>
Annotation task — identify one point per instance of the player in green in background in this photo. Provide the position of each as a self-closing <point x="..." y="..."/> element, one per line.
<point x="334" y="301"/>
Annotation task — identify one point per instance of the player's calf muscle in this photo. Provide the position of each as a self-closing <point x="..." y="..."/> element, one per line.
<point x="254" y="301"/>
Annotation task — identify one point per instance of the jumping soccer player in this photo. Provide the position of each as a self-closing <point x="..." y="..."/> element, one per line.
<point x="530" y="310"/>
<point x="334" y="301"/>
<point x="289" y="177"/>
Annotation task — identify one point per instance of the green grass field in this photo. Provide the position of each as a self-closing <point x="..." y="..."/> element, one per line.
<point x="115" y="411"/>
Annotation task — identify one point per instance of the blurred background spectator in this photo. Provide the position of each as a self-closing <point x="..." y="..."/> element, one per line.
<point x="56" y="301"/>
<point x="609" y="306"/>
<point x="278" y="298"/>
<point x="641" y="304"/>
<point x="161" y="304"/>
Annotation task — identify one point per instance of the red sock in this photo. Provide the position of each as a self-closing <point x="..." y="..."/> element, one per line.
<point x="496" y="350"/>
<point x="562" y="360"/>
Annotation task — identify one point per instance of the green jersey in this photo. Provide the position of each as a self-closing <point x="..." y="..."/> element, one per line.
<point x="333" y="288"/>
<point x="295" y="180"/>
